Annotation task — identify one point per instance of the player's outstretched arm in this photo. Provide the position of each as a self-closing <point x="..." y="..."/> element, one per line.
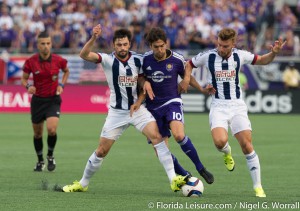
<point x="86" y="52"/>
<point x="269" y="57"/>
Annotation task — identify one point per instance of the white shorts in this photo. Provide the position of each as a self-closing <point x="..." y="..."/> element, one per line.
<point x="232" y="113"/>
<point x="117" y="121"/>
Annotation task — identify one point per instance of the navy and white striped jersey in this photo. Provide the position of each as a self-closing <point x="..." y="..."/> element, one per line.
<point x="223" y="74"/>
<point x="122" y="78"/>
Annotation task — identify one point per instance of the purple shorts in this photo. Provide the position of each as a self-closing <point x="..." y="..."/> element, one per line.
<point x="164" y="115"/>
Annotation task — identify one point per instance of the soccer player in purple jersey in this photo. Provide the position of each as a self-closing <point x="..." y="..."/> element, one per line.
<point x="121" y="68"/>
<point x="227" y="107"/>
<point x="161" y="68"/>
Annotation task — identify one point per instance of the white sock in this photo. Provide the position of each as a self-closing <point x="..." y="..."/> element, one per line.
<point x="254" y="168"/>
<point x="226" y="149"/>
<point x="91" y="167"/>
<point x="165" y="158"/>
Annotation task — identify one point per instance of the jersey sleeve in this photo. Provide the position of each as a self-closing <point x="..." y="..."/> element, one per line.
<point x="181" y="68"/>
<point x="143" y="67"/>
<point x="63" y="63"/>
<point x="199" y="60"/>
<point x="247" y="57"/>
<point x="26" y="67"/>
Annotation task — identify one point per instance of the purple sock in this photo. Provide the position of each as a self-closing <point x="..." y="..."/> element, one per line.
<point x="189" y="149"/>
<point x="178" y="168"/>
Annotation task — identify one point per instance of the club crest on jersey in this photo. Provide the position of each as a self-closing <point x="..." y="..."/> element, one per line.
<point x="169" y="67"/>
<point x="54" y="77"/>
<point x="127" y="81"/>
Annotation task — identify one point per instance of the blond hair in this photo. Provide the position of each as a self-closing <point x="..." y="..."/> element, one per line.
<point x="227" y="34"/>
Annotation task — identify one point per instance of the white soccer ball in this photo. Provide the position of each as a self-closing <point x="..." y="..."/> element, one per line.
<point x="193" y="188"/>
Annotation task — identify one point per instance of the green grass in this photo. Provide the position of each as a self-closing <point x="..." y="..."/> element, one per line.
<point x="131" y="176"/>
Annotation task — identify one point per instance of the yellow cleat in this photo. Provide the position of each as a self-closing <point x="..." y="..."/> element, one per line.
<point x="178" y="182"/>
<point x="75" y="187"/>
<point x="259" y="192"/>
<point x="229" y="162"/>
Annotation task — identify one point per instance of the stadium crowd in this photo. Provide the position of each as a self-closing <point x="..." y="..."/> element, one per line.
<point x="191" y="25"/>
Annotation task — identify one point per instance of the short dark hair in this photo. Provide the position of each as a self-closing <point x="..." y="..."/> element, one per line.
<point x="43" y="34"/>
<point x="121" y="33"/>
<point x="155" y="34"/>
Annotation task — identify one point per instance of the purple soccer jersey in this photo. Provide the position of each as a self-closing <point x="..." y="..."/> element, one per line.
<point x="163" y="76"/>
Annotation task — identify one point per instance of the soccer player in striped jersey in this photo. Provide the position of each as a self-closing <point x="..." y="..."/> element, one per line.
<point x="227" y="107"/>
<point x="121" y="68"/>
<point x="161" y="68"/>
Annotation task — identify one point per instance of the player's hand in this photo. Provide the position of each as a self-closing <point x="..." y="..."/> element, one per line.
<point x="97" y="31"/>
<point x="134" y="107"/>
<point x="31" y="90"/>
<point x="59" y="90"/>
<point x="278" y="45"/>
<point x="209" y="90"/>
<point x="148" y="90"/>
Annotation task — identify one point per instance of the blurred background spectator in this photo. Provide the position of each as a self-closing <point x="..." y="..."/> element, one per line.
<point x="291" y="77"/>
<point x="191" y="25"/>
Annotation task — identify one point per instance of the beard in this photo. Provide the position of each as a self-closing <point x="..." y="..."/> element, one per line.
<point x="122" y="54"/>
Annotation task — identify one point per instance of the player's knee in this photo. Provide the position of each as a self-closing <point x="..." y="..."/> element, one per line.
<point x="178" y="136"/>
<point x="51" y="131"/>
<point x="155" y="138"/>
<point x="101" y="152"/>
<point x="220" y="143"/>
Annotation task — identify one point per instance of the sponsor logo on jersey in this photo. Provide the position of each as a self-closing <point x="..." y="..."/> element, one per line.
<point x="128" y="81"/>
<point x="225" y="75"/>
<point x="158" y="76"/>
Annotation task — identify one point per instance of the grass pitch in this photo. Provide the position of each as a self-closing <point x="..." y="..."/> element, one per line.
<point x="131" y="177"/>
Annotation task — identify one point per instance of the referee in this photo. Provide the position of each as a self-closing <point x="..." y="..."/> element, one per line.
<point x="46" y="101"/>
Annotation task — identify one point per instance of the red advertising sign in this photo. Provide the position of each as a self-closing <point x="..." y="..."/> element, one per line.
<point x="76" y="99"/>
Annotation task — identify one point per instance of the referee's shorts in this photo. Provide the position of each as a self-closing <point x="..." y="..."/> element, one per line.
<point x="44" y="107"/>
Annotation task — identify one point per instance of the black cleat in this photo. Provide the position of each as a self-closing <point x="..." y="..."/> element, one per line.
<point x="51" y="163"/>
<point x="209" y="178"/>
<point x="40" y="166"/>
<point x="188" y="175"/>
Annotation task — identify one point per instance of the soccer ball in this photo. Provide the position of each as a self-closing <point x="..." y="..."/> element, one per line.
<point x="193" y="188"/>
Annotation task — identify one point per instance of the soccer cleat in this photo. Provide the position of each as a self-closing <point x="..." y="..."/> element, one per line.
<point x="229" y="162"/>
<point x="178" y="182"/>
<point x="188" y="175"/>
<point x="209" y="178"/>
<point x="259" y="192"/>
<point x="40" y="166"/>
<point x="51" y="163"/>
<point x="75" y="187"/>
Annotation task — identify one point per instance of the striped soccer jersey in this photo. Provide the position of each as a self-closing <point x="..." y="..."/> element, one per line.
<point x="122" y="78"/>
<point x="224" y="73"/>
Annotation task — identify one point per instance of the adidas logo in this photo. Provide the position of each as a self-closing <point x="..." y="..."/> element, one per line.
<point x="148" y="68"/>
